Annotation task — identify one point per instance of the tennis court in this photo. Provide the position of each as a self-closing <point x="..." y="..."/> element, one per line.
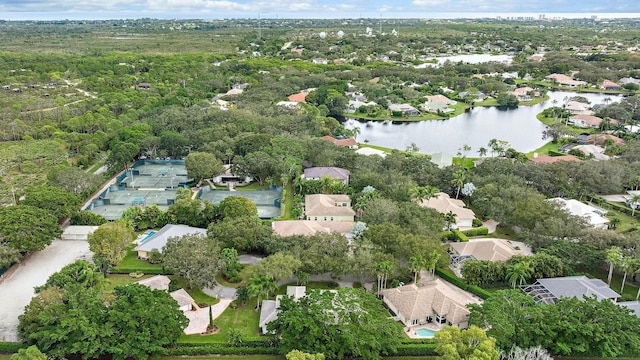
<point x="113" y="202"/>
<point x="155" y="175"/>
<point x="267" y="201"/>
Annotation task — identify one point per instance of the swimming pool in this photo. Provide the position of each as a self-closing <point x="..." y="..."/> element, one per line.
<point x="149" y="234"/>
<point x="425" y="333"/>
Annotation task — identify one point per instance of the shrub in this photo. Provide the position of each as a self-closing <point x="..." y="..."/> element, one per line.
<point x="450" y="277"/>
<point x="155" y="257"/>
<point x="221" y="350"/>
<point x="136" y="275"/>
<point x="476" y="223"/>
<point x="416" y="350"/>
<point x="460" y="235"/>
<point x="11" y="347"/>
<point x="476" y="232"/>
<point x="555" y="153"/>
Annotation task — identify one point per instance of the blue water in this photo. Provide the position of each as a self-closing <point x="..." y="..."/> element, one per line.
<point x="149" y="234"/>
<point x="425" y="333"/>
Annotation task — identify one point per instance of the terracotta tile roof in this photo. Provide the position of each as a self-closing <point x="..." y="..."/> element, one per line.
<point x="310" y="227"/>
<point x="599" y="139"/>
<point x="158" y="282"/>
<point x="443" y="204"/>
<point x="326" y="205"/>
<point x="487" y="249"/>
<point x="340" y="142"/>
<point x="546" y="159"/>
<point x="182" y="297"/>
<point x="587" y="119"/>
<point x="299" y="97"/>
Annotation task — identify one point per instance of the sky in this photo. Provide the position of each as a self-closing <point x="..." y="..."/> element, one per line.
<point x="219" y="9"/>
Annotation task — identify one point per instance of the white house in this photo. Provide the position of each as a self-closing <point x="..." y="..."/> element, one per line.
<point x="443" y="204"/>
<point x="594" y="216"/>
<point x="159" y="239"/>
<point x="269" y="309"/>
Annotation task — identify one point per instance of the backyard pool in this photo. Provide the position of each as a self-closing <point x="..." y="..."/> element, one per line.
<point x="425" y="333"/>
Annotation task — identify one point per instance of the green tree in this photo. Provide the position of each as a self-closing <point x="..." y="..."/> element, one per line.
<point x="81" y="273"/>
<point x="459" y="177"/>
<point x="145" y="320"/>
<point x="417" y="263"/>
<point x="120" y="155"/>
<point x="341" y="323"/>
<point x="613" y="258"/>
<point x="202" y="165"/>
<point x="422" y="193"/>
<point x="469" y="344"/>
<point x="30" y="353"/>
<point x="518" y="273"/>
<point x="244" y="233"/>
<point x="237" y="206"/>
<point x="450" y="219"/>
<point x="8" y="256"/>
<point x="259" y="165"/>
<point x="27" y="228"/>
<point x="382" y="272"/>
<point x="280" y="266"/>
<point x="194" y="257"/>
<point x="196" y="213"/>
<point x="260" y="287"/>
<point x="298" y="355"/>
<point x="111" y="240"/>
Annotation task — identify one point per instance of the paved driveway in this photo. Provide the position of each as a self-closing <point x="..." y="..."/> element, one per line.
<point x="16" y="287"/>
<point x="199" y="319"/>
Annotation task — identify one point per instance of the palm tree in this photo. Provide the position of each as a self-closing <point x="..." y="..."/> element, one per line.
<point x="493" y="144"/>
<point x="261" y="287"/>
<point x="356" y="131"/>
<point x="628" y="265"/>
<point x="421" y="193"/>
<point x="482" y="151"/>
<point x="633" y="202"/>
<point x="458" y="180"/>
<point x="384" y="268"/>
<point x="417" y="263"/>
<point x="434" y="256"/>
<point x="450" y="218"/>
<point x="517" y="273"/>
<point x="613" y="256"/>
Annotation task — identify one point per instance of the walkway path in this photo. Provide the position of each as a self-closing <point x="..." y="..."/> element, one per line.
<point x="221" y="292"/>
<point x="199" y="319"/>
<point x="491" y="225"/>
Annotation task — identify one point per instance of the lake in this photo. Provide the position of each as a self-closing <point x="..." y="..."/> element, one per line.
<point x="475" y="128"/>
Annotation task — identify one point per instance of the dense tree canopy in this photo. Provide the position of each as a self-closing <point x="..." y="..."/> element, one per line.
<point x="27" y="228"/>
<point x="111" y="240"/>
<point x="195" y="257"/>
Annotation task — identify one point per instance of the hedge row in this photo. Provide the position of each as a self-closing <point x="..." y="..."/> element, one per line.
<point x="221" y="350"/>
<point x="455" y="235"/>
<point x="416" y="350"/>
<point x="460" y="235"/>
<point x="555" y="153"/>
<point x="246" y="342"/>
<point x="478" y="291"/>
<point x="11" y="347"/>
<point x="413" y="341"/>
<point x="476" y="232"/>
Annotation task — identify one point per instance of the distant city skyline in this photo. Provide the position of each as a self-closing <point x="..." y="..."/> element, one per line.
<point x="219" y="9"/>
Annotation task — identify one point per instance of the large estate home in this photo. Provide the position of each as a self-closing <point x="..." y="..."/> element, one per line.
<point x="549" y="290"/>
<point x="594" y="216"/>
<point x="269" y="309"/>
<point x="322" y="207"/>
<point x="351" y="143"/>
<point x="564" y="80"/>
<point x="443" y="204"/>
<point x="157" y="240"/>
<point x="336" y="173"/>
<point x="310" y="227"/>
<point x="434" y="302"/>
<point x="484" y="249"/>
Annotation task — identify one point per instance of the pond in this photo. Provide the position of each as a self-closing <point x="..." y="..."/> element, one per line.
<point x="475" y="128"/>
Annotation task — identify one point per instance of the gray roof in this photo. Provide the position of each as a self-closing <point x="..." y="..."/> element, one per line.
<point x="578" y="286"/>
<point x="159" y="239"/>
<point x="332" y="172"/>
<point x="633" y="305"/>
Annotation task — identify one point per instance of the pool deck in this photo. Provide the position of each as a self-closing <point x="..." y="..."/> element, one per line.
<point x="411" y="331"/>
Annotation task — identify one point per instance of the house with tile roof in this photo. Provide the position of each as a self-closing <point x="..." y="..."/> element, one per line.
<point x="443" y="203"/>
<point x="485" y="249"/>
<point x="158" y="282"/>
<point x="351" y="143"/>
<point x="609" y="85"/>
<point x="549" y="290"/>
<point x="322" y="207"/>
<point x="184" y="300"/>
<point x="599" y="139"/>
<point x="564" y="80"/>
<point x="159" y="239"/>
<point x="269" y="309"/>
<point x="436" y="301"/>
<point x="311" y="227"/>
<point x="547" y="159"/>
<point x="336" y="173"/>
<point x="585" y="121"/>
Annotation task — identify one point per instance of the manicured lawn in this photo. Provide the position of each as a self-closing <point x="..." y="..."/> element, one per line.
<point x="245" y="319"/>
<point x="626" y="224"/>
<point x="535" y="101"/>
<point x="382" y="148"/>
<point x="122" y="279"/>
<point x="5" y="356"/>
<point x="630" y="289"/>
<point x="503" y="233"/>
<point x="244" y="274"/>
<point x="544" y="149"/>
<point x="288" y="204"/>
<point x="196" y="294"/>
<point x="487" y="102"/>
<point x="131" y="263"/>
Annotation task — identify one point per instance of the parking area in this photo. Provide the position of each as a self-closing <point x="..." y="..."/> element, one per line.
<point x="16" y="286"/>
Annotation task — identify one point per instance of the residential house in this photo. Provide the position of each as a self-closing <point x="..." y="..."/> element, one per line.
<point x="547" y="159"/>
<point x="442" y="159"/>
<point x="184" y="300"/>
<point x="144" y="86"/>
<point x="291" y="105"/>
<point x="321" y="207"/>
<point x="564" y="80"/>
<point x="548" y="291"/>
<point x="630" y="80"/>
<point x="436" y="301"/>
<point x="524" y="93"/>
<point x="299" y="97"/>
<point x="357" y="96"/>
<point x="159" y="239"/>
<point x="609" y="85"/>
<point x="594" y="152"/>
<point x="438" y="103"/>
<point x="442" y="203"/>
<point x="599" y="139"/>
<point x="628" y="199"/>
<point x="405" y="109"/>
<point x="594" y="216"/>
<point x="484" y="249"/>
<point x="227" y="176"/>
<point x="634" y="306"/>
<point x="351" y="143"/>
<point x="354" y="105"/>
<point x="158" y="282"/>
<point x="310" y="227"/>
<point x="578" y="108"/>
<point x="585" y="121"/>
<point x="317" y="173"/>
<point x="367" y="151"/>
<point x="536" y="57"/>
<point x="321" y="61"/>
<point x="269" y="309"/>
